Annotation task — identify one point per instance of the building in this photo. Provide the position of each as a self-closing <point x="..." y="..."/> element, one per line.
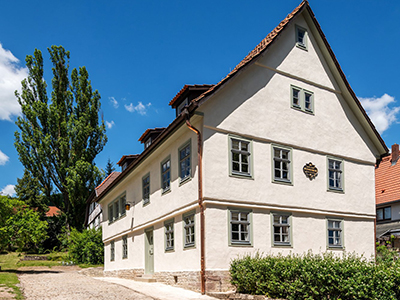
<point x="387" y="189"/>
<point x="277" y="157"/>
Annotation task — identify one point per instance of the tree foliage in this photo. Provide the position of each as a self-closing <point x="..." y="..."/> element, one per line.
<point x="20" y="226"/>
<point x="109" y="167"/>
<point x="58" y="139"/>
<point x="86" y="247"/>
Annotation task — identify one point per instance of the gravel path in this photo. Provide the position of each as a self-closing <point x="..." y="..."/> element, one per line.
<point x="65" y="283"/>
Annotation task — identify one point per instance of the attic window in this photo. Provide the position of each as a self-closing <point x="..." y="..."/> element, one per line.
<point x="301" y="37"/>
<point x="181" y="106"/>
<point x="147" y="143"/>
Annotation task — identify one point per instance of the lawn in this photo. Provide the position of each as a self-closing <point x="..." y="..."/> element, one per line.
<point x="8" y="276"/>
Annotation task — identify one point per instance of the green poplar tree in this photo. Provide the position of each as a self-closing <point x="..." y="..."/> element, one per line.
<point x="59" y="139"/>
<point x="109" y="168"/>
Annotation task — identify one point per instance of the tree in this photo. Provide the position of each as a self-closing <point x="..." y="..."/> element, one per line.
<point x="109" y="167"/>
<point x="28" y="190"/>
<point x="59" y="139"/>
<point x="20" y="226"/>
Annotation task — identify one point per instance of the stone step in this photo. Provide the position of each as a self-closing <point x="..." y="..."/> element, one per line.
<point x="145" y="278"/>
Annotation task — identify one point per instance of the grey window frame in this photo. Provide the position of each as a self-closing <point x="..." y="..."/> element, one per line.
<point x="303" y="45"/>
<point x="168" y="188"/>
<point x="336" y="171"/>
<point x="248" y="223"/>
<point x="189" y="158"/>
<point x="115" y="214"/>
<point x="240" y="173"/>
<point x="289" y="162"/>
<point x="169" y="235"/>
<point x="302" y="99"/>
<point x="281" y="226"/>
<point x="189" y="229"/>
<point x="384" y="214"/>
<point x="145" y="194"/>
<point x="124" y="247"/>
<point x="112" y="251"/>
<point x="335" y="230"/>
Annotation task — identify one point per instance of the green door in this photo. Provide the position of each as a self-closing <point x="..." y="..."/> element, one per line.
<point x="149" y="252"/>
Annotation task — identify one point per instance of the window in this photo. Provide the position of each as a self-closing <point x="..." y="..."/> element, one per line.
<point x="189" y="235"/>
<point x="147" y="143"/>
<point x="335" y="174"/>
<point x="281" y="164"/>
<point x="184" y="162"/>
<point x="112" y="251"/>
<point x="146" y="189"/>
<point x="125" y="247"/>
<point x="240" y="160"/>
<point x="166" y="175"/>
<point x="169" y="235"/>
<point x="383" y="214"/>
<point x="116" y="209"/>
<point x="335" y="233"/>
<point x="181" y="106"/>
<point x="301" y="37"/>
<point x="302" y="99"/>
<point x="239" y="227"/>
<point x="281" y="229"/>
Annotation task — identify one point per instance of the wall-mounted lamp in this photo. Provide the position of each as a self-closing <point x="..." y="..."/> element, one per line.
<point x="128" y="205"/>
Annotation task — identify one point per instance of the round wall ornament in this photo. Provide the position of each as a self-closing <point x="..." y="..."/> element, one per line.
<point x="310" y="170"/>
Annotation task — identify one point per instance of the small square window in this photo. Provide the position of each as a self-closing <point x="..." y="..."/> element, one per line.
<point x="302" y="99"/>
<point x="189" y="233"/>
<point x="281" y="229"/>
<point x="301" y="37"/>
<point x="169" y="235"/>
<point x="335" y="174"/>
<point x="335" y="235"/>
<point x="281" y="164"/>
<point x="184" y="162"/>
<point x="383" y="214"/>
<point x="146" y="189"/>
<point x="239" y="229"/>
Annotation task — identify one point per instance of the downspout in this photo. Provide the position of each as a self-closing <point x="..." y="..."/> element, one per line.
<point x="201" y="205"/>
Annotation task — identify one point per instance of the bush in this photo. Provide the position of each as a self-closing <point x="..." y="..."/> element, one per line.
<point x="86" y="247"/>
<point x="316" y="276"/>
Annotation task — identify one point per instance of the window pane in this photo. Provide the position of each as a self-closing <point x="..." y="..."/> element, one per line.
<point x="235" y="144"/>
<point x="235" y="216"/>
<point x="245" y="168"/>
<point x="244" y="146"/>
<point x="379" y="214"/>
<point x="277" y="153"/>
<point x="277" y="174"/>
<point x="387" y="213"/>
<point x="235" y="157"/>
<point x="243" y="217"/>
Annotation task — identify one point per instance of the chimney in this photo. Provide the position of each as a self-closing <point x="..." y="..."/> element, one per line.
<point x="395" y="153"/>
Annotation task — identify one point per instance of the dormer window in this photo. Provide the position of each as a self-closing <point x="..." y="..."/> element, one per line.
<point x="182" y="106"/>
<point x="124" y="166"/>
<point x="147" y="143"/>
<point x="301" y="37"/>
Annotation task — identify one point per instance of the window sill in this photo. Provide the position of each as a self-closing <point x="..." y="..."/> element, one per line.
<point x="169" y="250"/>
<point x="306" y="111"/>
<point x="243" y="176"/>
<point x="301" y="46"/>
<point x="184" y="180"/>
<point x="340" y="248"/>
<point x="282" y="246"/>
<point x="166" y="192"/>
<point x="241" y="244"/>
<point x="145" y="203"/>
<point x="284" y="182"/>
<point x="187" y="247"/>
<point x="333" y="190"/>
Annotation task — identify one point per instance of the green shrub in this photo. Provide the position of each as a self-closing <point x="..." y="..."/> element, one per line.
<point x="86" y="247"/>
<point x="316" y="276"/>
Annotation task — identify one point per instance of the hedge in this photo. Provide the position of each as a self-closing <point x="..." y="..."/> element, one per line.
<point x="316" y="276"/>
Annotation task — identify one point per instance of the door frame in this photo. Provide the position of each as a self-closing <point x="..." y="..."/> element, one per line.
<point x="148" y="259"/>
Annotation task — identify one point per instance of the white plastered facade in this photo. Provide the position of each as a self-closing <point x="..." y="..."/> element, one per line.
<point x="256" y="105"/>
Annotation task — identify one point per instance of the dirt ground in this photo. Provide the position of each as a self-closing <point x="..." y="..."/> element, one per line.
<point x="67" y="283"/>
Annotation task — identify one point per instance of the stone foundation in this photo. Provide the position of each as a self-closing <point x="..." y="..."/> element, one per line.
<point x="127" y="274"/>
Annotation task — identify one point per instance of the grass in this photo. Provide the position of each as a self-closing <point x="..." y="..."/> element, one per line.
<point x="8" y="276"/>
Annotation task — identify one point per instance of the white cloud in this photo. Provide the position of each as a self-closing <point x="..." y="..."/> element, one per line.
<point x="11" y="76"/>
<point x="8" y="190"/>
<point x="379" y="111"/>
<point x="3" y="158"/>
<point x="109" y="125"/>
<point x="140" y="108"/>
<point x="114" y="102"/>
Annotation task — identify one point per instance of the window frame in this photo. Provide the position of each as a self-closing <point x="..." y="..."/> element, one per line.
<point x="240" y="174"/>
<point x="240" y="243"/>
<point x="289" y="181"/>
<point x="304" y="45"/>
<point x="181" y="106"/>
<point x="168" y="189"/>
<point x="384" y="218"/>
<point x="125" y="247"/>
<point x="112" y="251"/>
<point x="302" y="99"/>
<point x="187" y="215"/>
<point x="281" y="244"/>
<point x="188" y="177"/>
<point x="145" y="201"/>
<point x="120" y="201"/>
<point x="167" y="231"/>
<point x="329" y="246"/>
<point x="342" y="178"/>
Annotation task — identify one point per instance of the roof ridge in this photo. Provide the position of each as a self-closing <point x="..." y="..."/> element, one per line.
<point x="115" y="172"/>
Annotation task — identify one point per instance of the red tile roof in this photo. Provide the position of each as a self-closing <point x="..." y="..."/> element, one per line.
<point x="186" y="87"/>
<point x="106" y="182"/>
<point x="150" y="130"/>
<point x="53" y="211"/>
<point x="387" y="181"/>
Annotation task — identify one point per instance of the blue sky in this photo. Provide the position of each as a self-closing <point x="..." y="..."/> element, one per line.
<point x="139" y="54"/>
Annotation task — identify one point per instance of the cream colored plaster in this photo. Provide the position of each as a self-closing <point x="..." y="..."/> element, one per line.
<point x="309" y="232"/>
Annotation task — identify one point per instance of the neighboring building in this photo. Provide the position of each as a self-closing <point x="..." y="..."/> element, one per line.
<point x="278" y="157"/>
<point x="387" y="189"/>
<point x="53" y="211"/>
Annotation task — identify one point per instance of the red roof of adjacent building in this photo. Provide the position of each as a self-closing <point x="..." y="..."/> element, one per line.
<point x="387" y="180"/>
<point x="53" y="211"/>
<point x="106" y="182"/>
